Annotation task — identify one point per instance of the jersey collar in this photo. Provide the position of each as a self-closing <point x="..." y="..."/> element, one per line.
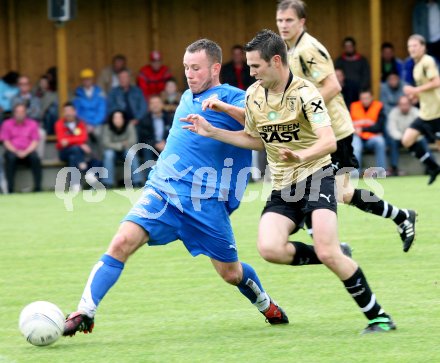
<point x="289" y="81"/>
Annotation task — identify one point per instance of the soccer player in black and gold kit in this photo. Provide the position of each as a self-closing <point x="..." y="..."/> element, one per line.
<point x="287" y="116"/>
<point x="427" y="90"/>
<point x="310" y="60"/>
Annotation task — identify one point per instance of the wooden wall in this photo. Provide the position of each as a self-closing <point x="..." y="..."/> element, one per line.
<point x="135" y="27"/>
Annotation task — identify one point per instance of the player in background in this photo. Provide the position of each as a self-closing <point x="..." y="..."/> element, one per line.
<point x="188" y="196"/>
<point x="310" y="60"/>
<point x="282" y="116"/>
<point x="427" y="91"/>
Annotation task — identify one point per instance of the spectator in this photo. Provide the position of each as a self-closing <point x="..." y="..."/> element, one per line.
<point x="90" y="107"/>
<point x="369" y="121"/>
<point x="49" y="104"/>
<point x="389" y="62"/>
<point x="128" y="99"/>
<point x="20" y="137"/>
<point x="350" y="89"/>
<point x="154" y="130"/>
<point x="171" y="96"/>
<point x="109" y="76"/>
<point x="8" y="90"/>
<point x="408" y="66"/>
<point x="237" y="72"/>
<point x="425" y="18"/>
<point x="354" y="65"/>
<point x="390" y="92"/>
<point x="152" y="77"/>
<point x="72" y="141"/>
<point x="119" y="135"/>
<point x="52" y="76"/>
<point x="24" y="96"/>
<point x="399" y="119"/>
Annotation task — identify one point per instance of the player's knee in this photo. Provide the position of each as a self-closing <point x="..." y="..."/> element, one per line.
<point x="268" y="252"/>
<point x="347" y="196"/>
<point x="231" y="277"/>
<point x="326" y="256"/>
<point x="406" y="142"/>
<point x="122" y="247"/>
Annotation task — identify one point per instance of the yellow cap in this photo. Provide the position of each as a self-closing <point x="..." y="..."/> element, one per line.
<point x="87" y="73"/>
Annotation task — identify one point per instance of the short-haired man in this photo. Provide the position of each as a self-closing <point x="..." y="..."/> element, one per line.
<point x="175" y="204"/>
<point x="287" y="116"/>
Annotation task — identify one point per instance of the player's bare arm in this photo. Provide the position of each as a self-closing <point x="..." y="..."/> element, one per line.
<point x="237" y="113"/>
<point x="329" y="87"/>
<point x="414" y="91"/>
<point x="326" y="144"/>
<point x="201" y="126"/>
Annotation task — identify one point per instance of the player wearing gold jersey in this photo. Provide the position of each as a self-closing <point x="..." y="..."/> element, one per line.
<point x="427" y="90"/>
<point x="286" y="115"/>
<point x="309" y="59"/>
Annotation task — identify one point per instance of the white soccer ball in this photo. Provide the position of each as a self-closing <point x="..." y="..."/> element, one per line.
<point x="41" y="323"/>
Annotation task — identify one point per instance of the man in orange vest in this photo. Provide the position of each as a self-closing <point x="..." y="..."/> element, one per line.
<point x="369" y="122"/>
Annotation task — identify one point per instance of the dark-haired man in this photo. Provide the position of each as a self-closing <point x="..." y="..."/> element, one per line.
<point x="287" y="116"/>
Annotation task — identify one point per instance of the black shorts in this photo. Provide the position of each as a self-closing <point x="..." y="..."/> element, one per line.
<point x="344" y="157"/>
<point x="430" y="129"/>
<point x="315" y="192"/>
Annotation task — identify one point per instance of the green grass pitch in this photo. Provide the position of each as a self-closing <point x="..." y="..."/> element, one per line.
<point x="170" y="307"/>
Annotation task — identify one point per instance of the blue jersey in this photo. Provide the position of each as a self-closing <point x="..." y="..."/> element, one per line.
<point x="200" y="167"/>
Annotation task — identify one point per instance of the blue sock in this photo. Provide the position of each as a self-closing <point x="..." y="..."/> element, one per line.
<point x="103" y="276"/>
<point x="250" y="286"/>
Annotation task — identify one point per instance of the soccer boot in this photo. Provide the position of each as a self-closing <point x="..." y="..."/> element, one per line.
<point x="346" y="249"/>
<point x="78" y="322"/>
<point x="275" y="315"/>
<point x="433" y="173"/>
<point x="381" y="324"/>
<point x="407" y="229"/>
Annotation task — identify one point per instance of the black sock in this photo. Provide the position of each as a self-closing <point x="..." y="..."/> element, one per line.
<point x="304" y="255"/>
<point x="420" y="152"/>
<point x="371" y="203"/>
<point x="357" y="287"/>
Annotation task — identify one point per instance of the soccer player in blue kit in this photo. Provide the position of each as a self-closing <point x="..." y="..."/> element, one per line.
<point x="189" y="195"/>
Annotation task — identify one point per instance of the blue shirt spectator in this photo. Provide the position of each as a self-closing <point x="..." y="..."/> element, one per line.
<point x="89" y="100"/>
<point x="8" y="89"/>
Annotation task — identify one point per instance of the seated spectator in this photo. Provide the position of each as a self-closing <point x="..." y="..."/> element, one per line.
<point x="237" y="72"/>
<point x="25" y="96"/>
<point x="128" y="99"/>
<point x="354" y="65"/>
<point x="350" y="90"/>
<point x="171" y="96"/>
<point x="154" y="129"/>
<point x="389" y="62"/>
<point x="152" y="77"/>
<point x="72" y="138"/>
<point x="20" y="137"/>
<point x="408" y="66"/>
<point x="109" y="76"/>
<point x="399" y="119"/>
<point x="369" y="122"/>
<point x="90" y="107"/>
<point x="8" y="90"/>
<point x="119" y="135"/>
<point x="390" y="92"/>
<point x="49" y="104"/>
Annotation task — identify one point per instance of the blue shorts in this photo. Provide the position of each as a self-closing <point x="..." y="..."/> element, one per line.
<point x="202" y="225"/>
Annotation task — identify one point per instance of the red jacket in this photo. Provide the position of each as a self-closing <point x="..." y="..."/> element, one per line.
<point x="75" y="138"/>
<point x="151" y="82"/>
